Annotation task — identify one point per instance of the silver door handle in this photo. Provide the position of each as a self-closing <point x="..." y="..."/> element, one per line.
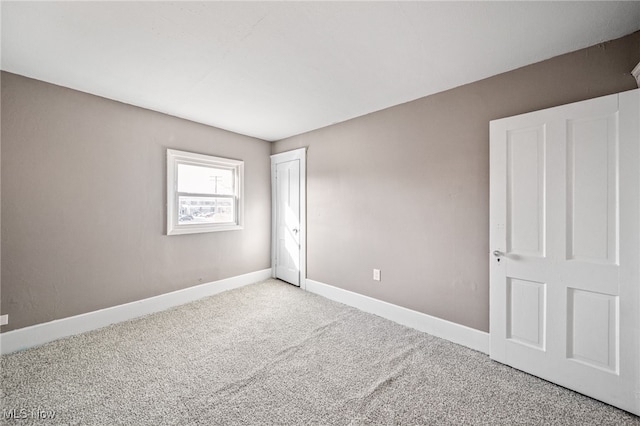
<point x="497" y="253"/>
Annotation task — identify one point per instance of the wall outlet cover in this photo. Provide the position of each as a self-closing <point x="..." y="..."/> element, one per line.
<point x="376" y="274"/>
<point x="4" y="319"/>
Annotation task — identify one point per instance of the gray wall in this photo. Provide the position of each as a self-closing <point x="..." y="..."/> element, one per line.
<point x="406" y="189"/>
<point x="83" y="204"/>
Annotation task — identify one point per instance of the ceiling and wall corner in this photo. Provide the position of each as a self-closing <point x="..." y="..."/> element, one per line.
<point x="84" y="204"/>
<point x="276" y="69"/>
<point x="406" y="189"/>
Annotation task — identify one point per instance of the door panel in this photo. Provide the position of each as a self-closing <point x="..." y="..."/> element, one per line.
<point x="288" y="221"/>
<point x="592" y="189"/>
<point x="525" y="191"/>
<point x="526" y="312"/>
<point x="288" y="215"/>
<point x="592" y="328"/>
<point x="565" y="216"/>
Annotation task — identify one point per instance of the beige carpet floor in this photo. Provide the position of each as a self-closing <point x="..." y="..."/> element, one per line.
<point x="272" y="354"/>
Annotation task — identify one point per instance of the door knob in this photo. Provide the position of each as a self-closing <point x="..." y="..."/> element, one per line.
<point x="497" y="253"/>
<point x="295" y="230"/>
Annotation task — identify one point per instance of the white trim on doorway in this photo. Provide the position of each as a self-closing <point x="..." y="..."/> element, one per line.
<point x="296" y="154"/>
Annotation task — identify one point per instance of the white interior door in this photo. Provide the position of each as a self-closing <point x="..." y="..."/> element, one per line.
<point x="565" y="241"/>
<point x="288" y="216"/>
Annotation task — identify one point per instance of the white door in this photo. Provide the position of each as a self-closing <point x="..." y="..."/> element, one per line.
<point x="565" y="242"/>
<point x="288" y="216"/>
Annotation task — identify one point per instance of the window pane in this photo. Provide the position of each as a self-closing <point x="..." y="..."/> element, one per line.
<point x="204" y="180"/>
<point x="204" y="193"/>
<point x="195" y="210"/>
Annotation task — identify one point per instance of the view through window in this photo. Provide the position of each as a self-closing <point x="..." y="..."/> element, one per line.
<point x="204" y="193"/>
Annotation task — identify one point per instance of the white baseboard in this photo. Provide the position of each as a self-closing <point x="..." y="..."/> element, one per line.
<point x="460" y="334"/>
<point x="35" y="335"/>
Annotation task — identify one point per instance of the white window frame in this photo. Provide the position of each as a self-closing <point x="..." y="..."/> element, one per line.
<point x="174" y="158"/>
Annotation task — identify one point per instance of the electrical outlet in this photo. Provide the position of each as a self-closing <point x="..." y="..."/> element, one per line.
<point x="4" y="319"/>
<point x="376" y="274"/>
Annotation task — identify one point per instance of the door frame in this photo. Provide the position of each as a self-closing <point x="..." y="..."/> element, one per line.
<point x="283" y="157"/>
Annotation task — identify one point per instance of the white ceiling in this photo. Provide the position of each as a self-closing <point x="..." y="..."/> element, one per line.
<point x="277" y="69"/>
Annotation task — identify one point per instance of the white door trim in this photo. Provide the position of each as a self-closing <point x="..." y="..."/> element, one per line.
<point x="296" y="154"/>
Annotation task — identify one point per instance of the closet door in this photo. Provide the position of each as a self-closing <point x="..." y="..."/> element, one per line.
<point x="565" y="243"/>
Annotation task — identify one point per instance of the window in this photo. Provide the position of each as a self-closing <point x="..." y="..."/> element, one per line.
<point x="204" y="193"/>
